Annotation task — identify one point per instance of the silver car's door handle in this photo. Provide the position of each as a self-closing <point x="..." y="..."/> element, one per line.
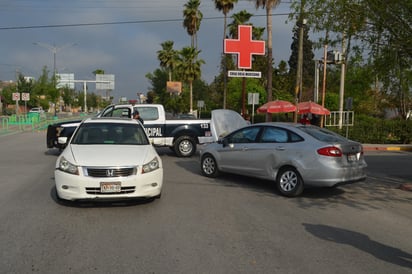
<point x="280" y="148"/>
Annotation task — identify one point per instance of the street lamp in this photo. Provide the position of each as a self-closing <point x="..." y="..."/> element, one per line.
<point x="54" y="50"/>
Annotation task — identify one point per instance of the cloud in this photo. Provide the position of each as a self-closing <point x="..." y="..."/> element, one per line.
<point x="128" y="50"/>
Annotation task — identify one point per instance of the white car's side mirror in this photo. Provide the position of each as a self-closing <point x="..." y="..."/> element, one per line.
<point x="62" y="140"/>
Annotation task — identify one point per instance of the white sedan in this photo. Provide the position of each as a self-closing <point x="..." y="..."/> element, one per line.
<point x="108" y="159"/>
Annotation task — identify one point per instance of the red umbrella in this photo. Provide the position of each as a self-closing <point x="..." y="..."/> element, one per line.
<point x="311" y="107"/>
<point x="277" y="106"/>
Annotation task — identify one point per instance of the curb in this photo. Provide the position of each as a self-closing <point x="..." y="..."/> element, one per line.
<point x="369" y="147"/>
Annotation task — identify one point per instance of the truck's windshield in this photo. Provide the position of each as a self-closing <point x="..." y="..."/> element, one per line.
<point x="148" y="113"/>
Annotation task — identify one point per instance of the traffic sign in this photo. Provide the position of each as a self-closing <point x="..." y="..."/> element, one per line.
<point x="253" y="98"/>
<point x="25" y="96"/>
<point x="244" y="47"/>
<point x="16" y="96"/>
<point x="240" y="73"/>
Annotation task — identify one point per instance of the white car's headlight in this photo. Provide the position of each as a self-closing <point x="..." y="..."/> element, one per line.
<point x="150" y="166"/>
<point x="68" y="167"/>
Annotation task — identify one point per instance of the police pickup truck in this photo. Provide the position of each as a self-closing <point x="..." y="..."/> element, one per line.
<point x="181" y="135"/>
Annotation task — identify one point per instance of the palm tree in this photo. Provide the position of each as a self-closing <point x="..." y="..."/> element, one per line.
<point x="192" y="17"/>
<point x="189" y="68"/>
<point x="269" y="5"/>
<point x="240" y="18"/>
<point x="167" y="57"/>
<point x="224" y="6"/>
<point x="259" y="61"/>
<point x="257" y="33"/>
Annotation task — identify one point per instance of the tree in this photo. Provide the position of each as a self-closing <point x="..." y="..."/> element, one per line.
<point x="240" y="18"/>
<point x="167" y="57"/>
<point x="7" y="90"/>
<point x="45" y="90"/>
<point x="98" y="71"/>
<point x="68" y="96"/>
<point x="189" y="68"/>
<point x="386" y="23"/>
<point x="25" y="85"/>
<point x="282" y="82"/>
<point x="235" y="95"/>
<point x="224" y="6"/>
<point x="388" y="34"/>
<point x="269" y="5"/>
<point x="382" y="30"/>
<point x="192" y="18"/>
<point x="158" y="92"/>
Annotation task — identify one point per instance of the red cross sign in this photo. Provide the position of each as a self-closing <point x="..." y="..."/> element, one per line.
<point x="244" y="47"/>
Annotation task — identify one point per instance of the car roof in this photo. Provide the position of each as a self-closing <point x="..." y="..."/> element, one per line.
<point x="116" y="120"/>
<point x="282" y="124"/>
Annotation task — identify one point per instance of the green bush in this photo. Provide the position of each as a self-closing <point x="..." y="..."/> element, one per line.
<point x="367" y="129"/>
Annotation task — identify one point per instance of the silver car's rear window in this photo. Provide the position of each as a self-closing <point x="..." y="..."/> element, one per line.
<point x="322" y="134"/>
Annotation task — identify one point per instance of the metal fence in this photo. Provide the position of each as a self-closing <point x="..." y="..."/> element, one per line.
<point x="333" y="120"/>
<point x="32" y="122"/>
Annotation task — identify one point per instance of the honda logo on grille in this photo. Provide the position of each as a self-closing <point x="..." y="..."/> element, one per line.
<point x="110" y="173"/>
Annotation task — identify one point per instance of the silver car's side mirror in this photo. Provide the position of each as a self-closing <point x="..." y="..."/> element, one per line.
<point x="224" y="142"/>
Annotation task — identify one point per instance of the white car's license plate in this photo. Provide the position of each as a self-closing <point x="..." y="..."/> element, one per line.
<point x="352" y="158"/>
<point x="110" y="187"/>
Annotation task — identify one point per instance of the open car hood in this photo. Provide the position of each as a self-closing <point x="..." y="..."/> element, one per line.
<point x="224" y="121"/>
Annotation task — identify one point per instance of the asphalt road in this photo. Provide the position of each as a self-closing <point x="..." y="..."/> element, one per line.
<point x="230" y="224"/>
<point x="390" y="165"/>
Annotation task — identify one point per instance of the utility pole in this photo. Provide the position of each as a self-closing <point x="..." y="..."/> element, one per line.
<point x="342" y="80"/>
<point x="299" y="71"/>
<point x="316" y="82"/>
<point x="325" y="57"/>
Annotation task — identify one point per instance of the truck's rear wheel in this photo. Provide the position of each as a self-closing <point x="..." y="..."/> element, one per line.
<point x="185" y="146"/>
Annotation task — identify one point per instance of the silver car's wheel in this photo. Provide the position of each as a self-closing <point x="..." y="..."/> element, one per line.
<point x="208" y="166"/>
<point x="289" y="182"/>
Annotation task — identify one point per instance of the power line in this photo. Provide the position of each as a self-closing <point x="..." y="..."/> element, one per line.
<point x="118" y="23"/>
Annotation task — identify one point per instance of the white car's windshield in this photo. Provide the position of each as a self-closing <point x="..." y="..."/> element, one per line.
<point x="110" y="133"/>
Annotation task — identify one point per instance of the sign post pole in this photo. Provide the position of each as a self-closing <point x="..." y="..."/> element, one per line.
<point x="16" y="98"/>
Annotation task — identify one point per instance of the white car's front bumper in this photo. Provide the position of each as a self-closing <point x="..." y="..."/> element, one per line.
<point x="79" y="187"/>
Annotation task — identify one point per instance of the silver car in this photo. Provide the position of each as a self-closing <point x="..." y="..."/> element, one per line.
<point x="294" y="156"/>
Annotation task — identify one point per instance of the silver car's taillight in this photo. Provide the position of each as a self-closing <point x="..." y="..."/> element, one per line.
<point x="330" y="151"/>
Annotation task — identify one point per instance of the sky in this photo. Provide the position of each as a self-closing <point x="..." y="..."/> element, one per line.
<point x="121" y="37"/>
